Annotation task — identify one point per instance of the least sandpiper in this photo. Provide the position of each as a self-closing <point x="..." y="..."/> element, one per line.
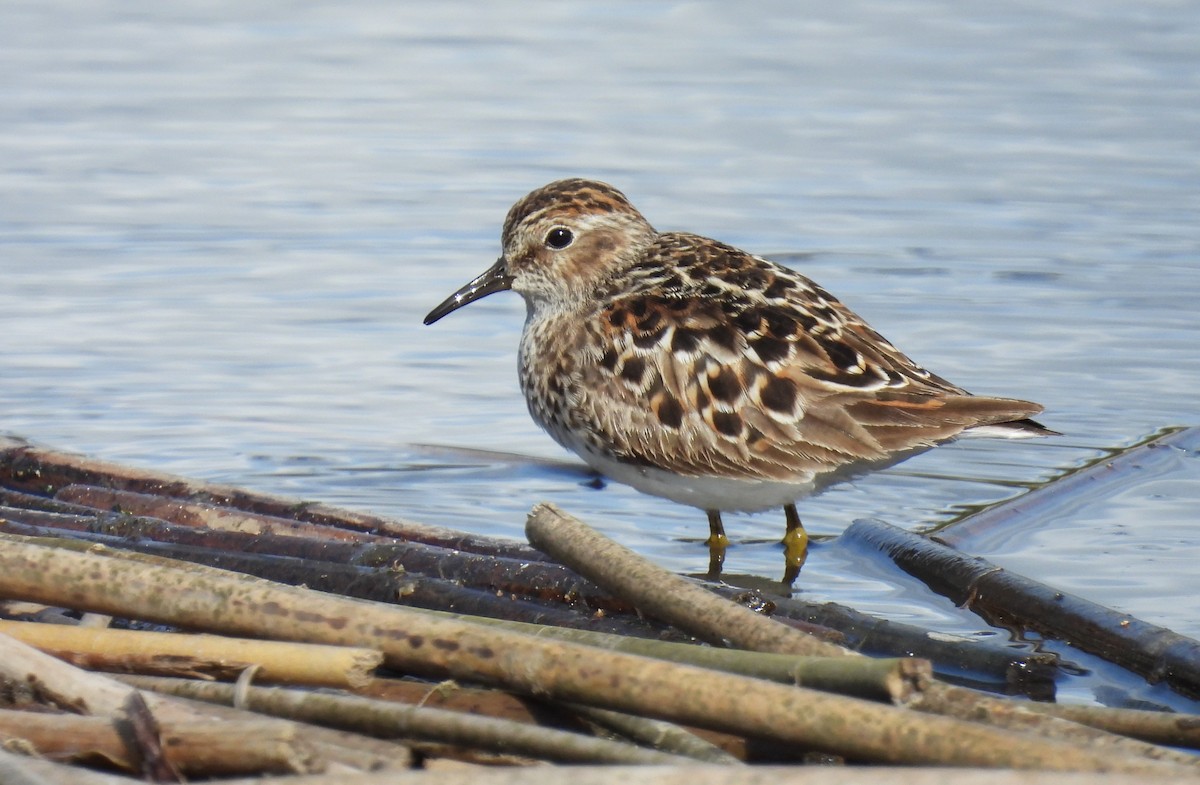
<point x="698" y="372"/>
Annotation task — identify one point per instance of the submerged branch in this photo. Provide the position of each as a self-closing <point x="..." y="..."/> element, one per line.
<point x="1007" y="599"/>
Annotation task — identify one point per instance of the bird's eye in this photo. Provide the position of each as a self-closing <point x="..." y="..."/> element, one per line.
<point x="559" y="238"/>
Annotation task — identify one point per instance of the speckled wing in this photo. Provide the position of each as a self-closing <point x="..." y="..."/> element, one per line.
<point x="717" y="362"/>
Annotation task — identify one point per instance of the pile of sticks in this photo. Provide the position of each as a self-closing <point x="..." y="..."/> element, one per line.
<point x="335" y="644"/>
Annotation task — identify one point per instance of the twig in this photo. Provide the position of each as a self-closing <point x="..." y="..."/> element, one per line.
<point x="57" y="684"/>
<point x="196" y="514"/>
<point x="542" y="580"/>
<point x="890" y="679"/>
<point x="656" y="734"/>
<point x="380" y="584"/>
<point x="643" y="583"/>
<point x="505" y="705"/>
<point x="1007" y="599"/>
<point x="720" y="775"/>
<point x="662" y="594"/>
<point x="951" y="701"/>
<point x="440" y="648"/>
<point x="162" y="653"/>
<point x="1019" y="671"/>
<point x="142" y="733"/>
<point x="1157" y="727"/>
<point x="199" y="749"/>
<point x="392" y="720"/>
<point x="40" y="470"/>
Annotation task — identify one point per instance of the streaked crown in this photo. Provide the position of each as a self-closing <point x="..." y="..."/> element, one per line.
<point x="565" y="239"/>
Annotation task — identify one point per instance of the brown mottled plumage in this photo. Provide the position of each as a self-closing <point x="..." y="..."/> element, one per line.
<point x="696" y="371"/>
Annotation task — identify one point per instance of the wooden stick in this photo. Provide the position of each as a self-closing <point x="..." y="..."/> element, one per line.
<point x="656" y="734"/>
<point x="1006" y="598"/>
<point x="1026" y="672"/>
<point x="952" y="701"/>
<point x="210" y="599"/>
<point x="542" y="580"/>
<point x="372" y="583"/>
<point x="412" y="723"/>
<point x="720" y="775"/>
<point x="1157" y="727"/>
<point x="198" y="515"/>
<point x="46" y="680"/>
<point x="198" y="749"/>
<point x="892" y="679"/>
<point x="664" y="595"/>
<point x="486" y="702"/>
<point x="1017" y="671"/>
<point x="505" y="705"/>
<point x="25" y="467"/>
<point x="211" y="656"/>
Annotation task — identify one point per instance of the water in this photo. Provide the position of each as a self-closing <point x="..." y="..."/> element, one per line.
<point x="221" y="224"/>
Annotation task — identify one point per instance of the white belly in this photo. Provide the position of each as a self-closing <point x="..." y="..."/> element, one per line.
<point x="707" y="493"/>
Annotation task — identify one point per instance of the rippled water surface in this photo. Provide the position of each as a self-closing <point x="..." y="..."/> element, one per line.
<point x="221" y="224"/>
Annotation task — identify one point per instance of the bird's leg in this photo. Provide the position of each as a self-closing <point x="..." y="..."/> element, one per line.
<point x="795" y="544"/>
<point x="717" y="543"/>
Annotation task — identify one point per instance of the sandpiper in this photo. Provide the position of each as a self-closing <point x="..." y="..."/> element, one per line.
<point x="695" y="371"/>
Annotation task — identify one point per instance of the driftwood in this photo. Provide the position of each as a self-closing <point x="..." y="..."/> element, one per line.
<point x="368" y="567"/>
<point x="208" y="598"/>
<point x="892" y="679"/>
<point x="413" y="723"/>
<point x="24" y="467"/>
<point x="203" y="656"/>
<point x="663" y="595"/>
<point x="1156" y="727"/>
<point x="1010" y="600"/>
<point x="718" y="775"/>
<point x="474" y="579"/>
<point x="197" y="515"/>
<point x="538" y="580"/>
<point x="305" y="543"/>
<point x="519" y="708"/>
<point x="230" y="531"/>
<point x="197" y="749"/>
<point x="656" y="734"/>
<point x="992" y="666"/>
<point x="32" y="678"/>
<point x="381" y="584"/>
<point x="452" y="696"/>
<point x="688" y="605"/>
<point x="613" y="565"/>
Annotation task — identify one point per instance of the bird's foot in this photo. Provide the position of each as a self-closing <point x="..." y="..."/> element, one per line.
<point x="716" y="555"/>
<point x="795" y="553"/>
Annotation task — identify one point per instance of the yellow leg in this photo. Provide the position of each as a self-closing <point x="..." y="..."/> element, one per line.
<point x="716" y="530"/>
<point x="795" y="545"/>
<point x="717" y="543"/>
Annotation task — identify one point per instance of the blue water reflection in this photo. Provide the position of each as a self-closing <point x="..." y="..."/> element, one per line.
<point x="220" y="226"/>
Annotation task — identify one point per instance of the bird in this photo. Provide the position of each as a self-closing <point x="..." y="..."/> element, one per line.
<point x="695" y="371"/>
